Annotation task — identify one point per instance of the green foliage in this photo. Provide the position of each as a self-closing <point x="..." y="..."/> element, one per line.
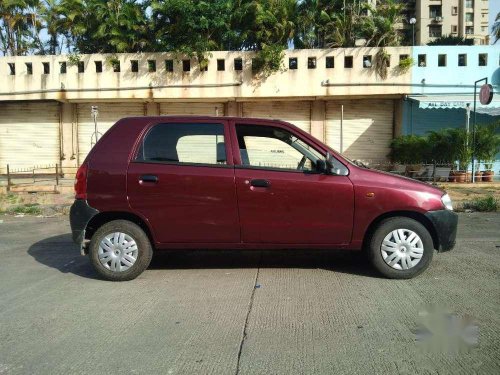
<point x="382" y="60"/>
<point x="487" y="142"/>
<point x="450" y="40"/>
<point x="450" y="145"/>
<point x="483" y="204"/>
<point x="410" y="149"/>
<point x="495" y="29"/>
<point x="73" y="59"/>
<point x="405" y="64"/>
<point x="29" y="208"/>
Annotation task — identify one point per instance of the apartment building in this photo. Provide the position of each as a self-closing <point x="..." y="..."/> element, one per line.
<point x="461" y="18"/>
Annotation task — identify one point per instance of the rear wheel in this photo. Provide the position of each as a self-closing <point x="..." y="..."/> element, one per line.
<point x="401" y="248"/>
<point x="120" y="250"/>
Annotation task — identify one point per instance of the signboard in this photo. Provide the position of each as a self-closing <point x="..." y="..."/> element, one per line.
<point x="486" y="94"/>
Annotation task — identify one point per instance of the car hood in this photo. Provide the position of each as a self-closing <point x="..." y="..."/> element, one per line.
<point x="391" y="180"/>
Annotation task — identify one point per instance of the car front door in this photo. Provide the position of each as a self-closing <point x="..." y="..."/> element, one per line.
<point x="182" y="181"/>
<point x="282" y="198"/>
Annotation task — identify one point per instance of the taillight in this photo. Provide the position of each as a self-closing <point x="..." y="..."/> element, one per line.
<point x="81" y="182"/>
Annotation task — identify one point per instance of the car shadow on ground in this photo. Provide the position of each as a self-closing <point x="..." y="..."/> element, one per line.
<point x="61" y="253"/>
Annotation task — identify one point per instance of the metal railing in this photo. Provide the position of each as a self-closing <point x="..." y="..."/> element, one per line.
<point x="37" y="175"/>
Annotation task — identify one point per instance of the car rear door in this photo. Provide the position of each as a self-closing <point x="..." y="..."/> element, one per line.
<point x="282" y="202"/>
<point x="182" y="180"/>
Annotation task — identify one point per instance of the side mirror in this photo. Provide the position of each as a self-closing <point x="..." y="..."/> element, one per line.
<point x="321" y="166"/>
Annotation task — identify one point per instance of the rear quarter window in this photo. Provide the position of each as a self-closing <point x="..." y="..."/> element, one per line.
<point x="184" y="143"/>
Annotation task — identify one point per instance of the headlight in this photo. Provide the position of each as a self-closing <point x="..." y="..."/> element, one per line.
<point x="447" y="202"/>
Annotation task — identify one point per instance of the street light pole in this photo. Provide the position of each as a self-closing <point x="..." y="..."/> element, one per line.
<point x="413" y="21"/>
<point x="474" y="126"/>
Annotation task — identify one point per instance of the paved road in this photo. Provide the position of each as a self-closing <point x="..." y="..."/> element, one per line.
<point x="242" y="312"/>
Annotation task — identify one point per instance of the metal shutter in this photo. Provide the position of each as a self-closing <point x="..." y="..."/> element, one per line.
<point x="297" y="113"/>
<point x="29" y="134"/>
<point x="188" y="108"/>
<point x="109" y="114"/>
<point x="367" y="128"/>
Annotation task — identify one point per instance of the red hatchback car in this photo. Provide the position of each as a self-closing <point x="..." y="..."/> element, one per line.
<point x="154" y="183"/>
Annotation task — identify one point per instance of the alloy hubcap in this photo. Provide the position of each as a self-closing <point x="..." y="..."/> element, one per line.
<point x="118" y="252"/>
<point x="402" y="249"/>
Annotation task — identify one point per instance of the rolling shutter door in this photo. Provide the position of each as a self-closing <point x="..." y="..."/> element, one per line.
<point x="109" y="114"/>
<point x="297" y="113"/>
<point x="367" y="128"/>
<point x="188" y="108"/>
<point x="29" y="135"/>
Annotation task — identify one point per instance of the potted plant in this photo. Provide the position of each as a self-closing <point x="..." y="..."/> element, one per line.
<point x="443" y="151"/>
<point x="463" y="153"/>
<point x="487" y="146"/>
<point x="411" y="151"/>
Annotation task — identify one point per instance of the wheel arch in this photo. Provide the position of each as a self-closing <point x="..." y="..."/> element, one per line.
<point x="102" y="218"/>
<point x="417" y="216"/>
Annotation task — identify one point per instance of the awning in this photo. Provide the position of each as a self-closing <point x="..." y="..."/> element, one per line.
<point x="453" y="102"/>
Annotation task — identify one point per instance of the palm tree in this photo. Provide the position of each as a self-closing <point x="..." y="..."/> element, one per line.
<point x="496" y="28"/>
<point x="382" y="27"/>
<point x="18" y="23"/>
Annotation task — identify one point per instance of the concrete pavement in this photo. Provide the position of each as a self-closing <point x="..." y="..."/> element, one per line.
<point x="228" y="312"/>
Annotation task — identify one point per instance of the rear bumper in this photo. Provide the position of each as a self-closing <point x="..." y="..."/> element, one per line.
<point x="79" y="216"/>
<point x="445" y="223"/>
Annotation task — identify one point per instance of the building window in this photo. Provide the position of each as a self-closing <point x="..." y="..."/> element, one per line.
<point x="292" y="63"/>
<point x="403" y="57"/>
<point x="204" y="66"/>
<point x="98" y="66"/>
<point x="12" y="69"/>
<point x="186" y="65"/>
<point x="169" y="65"/>
<point x="330" y="62"/>
<point x="435" y="31"/>
<point x="238" y="64"/>
<point x="454" y="11"/>
<point x="435" y="11"/>
<point x="81" y="67"/>
<point x="367" y="61"/>
<point x="221" y="65"/>
<point x="62" y="67"/>
<point x="483" y="59"/>
<point x="469" y="3"/>
<point x="484" y="29"/>
<point x="116" y="66"/>
<point x="422" y="61"/>
<point x="462" y="59"/>
<point x="151" y="66"/>
<point x="469" y="30"/>
<point x="134" y="66"/>
<point x="46" y="68"/>
<point x="348" y="62"/>
<point x="29" y="68"/>
<point x="454" y="29"/>
<point x="311" y="63"/>
<point x="441" y="60"/>
<point x="469" y="17"/>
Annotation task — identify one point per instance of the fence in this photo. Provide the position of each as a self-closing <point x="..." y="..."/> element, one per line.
<point x="37" y="175"/>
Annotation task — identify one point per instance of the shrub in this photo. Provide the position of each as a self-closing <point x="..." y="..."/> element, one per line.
<point x="410" y="149"/>
<point x="483" y="204"/>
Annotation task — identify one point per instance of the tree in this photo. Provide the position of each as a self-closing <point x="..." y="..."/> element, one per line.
<point x="496" y="28"/>
<point x="382" y="26"/>
<point x="450" y="40"/>
<point x="17" y="26"/>
<point x="191" y="27"/>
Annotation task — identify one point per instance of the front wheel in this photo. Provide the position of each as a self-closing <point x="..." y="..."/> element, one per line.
<point x="401" y="248"/>
<point x="120" y="250"/>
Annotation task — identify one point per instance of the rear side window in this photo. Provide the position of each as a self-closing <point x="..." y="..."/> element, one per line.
<point x="184" y="143"/>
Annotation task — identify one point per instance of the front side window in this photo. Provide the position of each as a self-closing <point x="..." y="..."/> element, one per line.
<point x="275" y="148"/>
<point x="184" y="143"/>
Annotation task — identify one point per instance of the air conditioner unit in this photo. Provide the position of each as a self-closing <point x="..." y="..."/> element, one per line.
<point x="438" y="19"/>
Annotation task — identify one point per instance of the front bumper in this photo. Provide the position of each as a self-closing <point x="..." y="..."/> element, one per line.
<point x="79" y="216"/>
<point x="445" y="223"/>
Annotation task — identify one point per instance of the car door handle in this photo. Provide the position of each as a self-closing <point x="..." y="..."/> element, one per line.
<point x="149" y="178"/>
<point x="260" y="183"/>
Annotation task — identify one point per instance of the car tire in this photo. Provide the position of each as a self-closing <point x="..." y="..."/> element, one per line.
<point x="401" y="248"/>
<point x="120" y="250"/>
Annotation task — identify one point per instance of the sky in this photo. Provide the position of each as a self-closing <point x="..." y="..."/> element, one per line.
<point x="494" y="10"/>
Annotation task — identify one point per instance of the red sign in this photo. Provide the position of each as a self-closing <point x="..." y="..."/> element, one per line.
<point x="486" y="94"/>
